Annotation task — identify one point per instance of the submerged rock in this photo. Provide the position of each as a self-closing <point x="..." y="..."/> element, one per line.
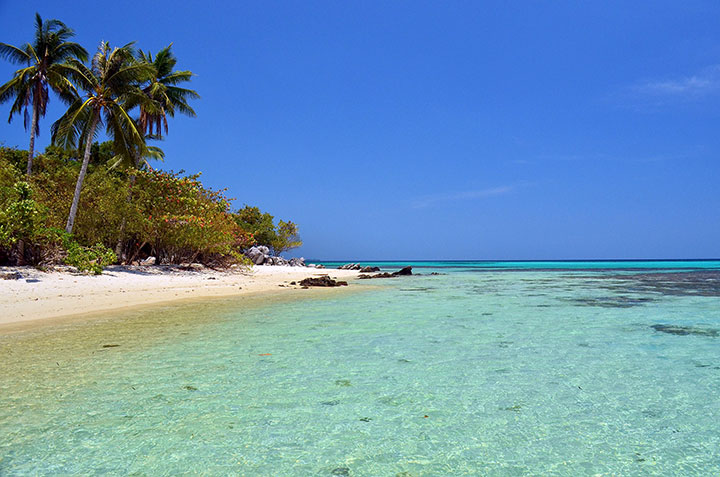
<point x="686" y="330"/>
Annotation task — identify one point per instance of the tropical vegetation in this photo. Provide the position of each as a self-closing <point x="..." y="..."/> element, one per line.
<point x="88" y="203"/>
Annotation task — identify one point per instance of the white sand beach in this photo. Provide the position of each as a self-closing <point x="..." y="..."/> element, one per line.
<point x="38" y="296"/>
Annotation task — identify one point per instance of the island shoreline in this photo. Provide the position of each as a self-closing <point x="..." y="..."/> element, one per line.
<point x="41" y="298"/>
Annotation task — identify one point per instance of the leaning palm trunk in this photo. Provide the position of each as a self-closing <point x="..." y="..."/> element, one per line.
<point x="83" y="171"/>
<point x="33" y="128"/>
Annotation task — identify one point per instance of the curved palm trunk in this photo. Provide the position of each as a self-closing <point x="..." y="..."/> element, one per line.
<point x="33" y="128"/>
<point x="83" y="171"/>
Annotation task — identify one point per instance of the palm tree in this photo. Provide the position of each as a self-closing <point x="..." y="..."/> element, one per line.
<point x="46" y="59"/>
<point x="111" y="83"/>
<point x="163" y="89"/>
<point x="165" y="97"/>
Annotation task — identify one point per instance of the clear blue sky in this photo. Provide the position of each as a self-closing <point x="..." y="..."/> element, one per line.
<point x="441" y="130"/>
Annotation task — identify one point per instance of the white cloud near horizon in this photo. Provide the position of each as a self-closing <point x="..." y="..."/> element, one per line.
<point x="705" y="82"/>
<point x="464" y="195"/>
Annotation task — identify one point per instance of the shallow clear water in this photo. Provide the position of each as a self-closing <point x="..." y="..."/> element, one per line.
<point x="470" y="372"/>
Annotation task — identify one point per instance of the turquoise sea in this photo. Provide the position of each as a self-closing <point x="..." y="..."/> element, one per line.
<point x="483" y="368"/>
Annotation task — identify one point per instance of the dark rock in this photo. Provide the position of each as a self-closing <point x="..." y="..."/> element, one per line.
<point x="402" y="272"/>
<point x="340" y="471"/>
<point x="370" y="269"/>
<point x="321" y="281"/>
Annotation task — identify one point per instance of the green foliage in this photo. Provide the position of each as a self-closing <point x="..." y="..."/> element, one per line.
<point x="286" y="237"/>
<point x="87" y="259"/>
<point x="12" y="161"/>
<point x="280" y="238"/>
<point x="182" y="220"/>
<point x="259" y="224"/>
<point x="23" y="232"/>
<point x="123" y="205"/>
<point x="21" y="217"/>
<point x="168" y="215"/>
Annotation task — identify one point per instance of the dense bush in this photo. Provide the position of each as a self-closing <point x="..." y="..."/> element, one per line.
<point x="169" y="215"/>
<point x="87" y="259"/>
<point x="182" y="221"/>
<point x="280" y="238"/>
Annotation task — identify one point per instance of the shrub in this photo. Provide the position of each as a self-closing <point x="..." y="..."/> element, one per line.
<point x="183" y="221"/>
<point x="87" y="259"/>
<point x="280" y="238"/>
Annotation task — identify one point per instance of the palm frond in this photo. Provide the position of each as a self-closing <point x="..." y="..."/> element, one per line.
<point x="9" y="89"/>
<point x="130" y="75"/>
<point x="68" y="50"/>
<point x="177" y="77"/>
<point x="13" y="54"/>
<point x="67" y="130"/>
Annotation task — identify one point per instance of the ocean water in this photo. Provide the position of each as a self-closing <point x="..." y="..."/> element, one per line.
<point x="514" y="368"/>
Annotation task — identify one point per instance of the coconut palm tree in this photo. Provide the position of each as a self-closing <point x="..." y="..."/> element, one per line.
<point x="163" y="89"/>
<point x="111" y="83"/>
<point x="46" y="59"/>
<point x="165" y="98"/>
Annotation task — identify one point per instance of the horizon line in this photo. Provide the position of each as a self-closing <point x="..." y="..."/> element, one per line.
<point x="530" y="260"/>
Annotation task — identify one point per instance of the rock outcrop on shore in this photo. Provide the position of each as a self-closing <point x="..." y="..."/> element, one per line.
<point x="321" y="281"/>
<point x="260" y="255"/>
<point x="402" y="272"/>
<point x="357" y="266"/>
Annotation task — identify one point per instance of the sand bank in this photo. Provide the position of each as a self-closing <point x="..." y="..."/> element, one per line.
<point x="41" y="295"/>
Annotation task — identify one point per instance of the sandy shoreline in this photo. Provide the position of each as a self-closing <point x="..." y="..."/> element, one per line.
<point x="39" y="296"/>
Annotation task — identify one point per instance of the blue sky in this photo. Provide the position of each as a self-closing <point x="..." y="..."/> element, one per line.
<point x="441" y="130"/>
